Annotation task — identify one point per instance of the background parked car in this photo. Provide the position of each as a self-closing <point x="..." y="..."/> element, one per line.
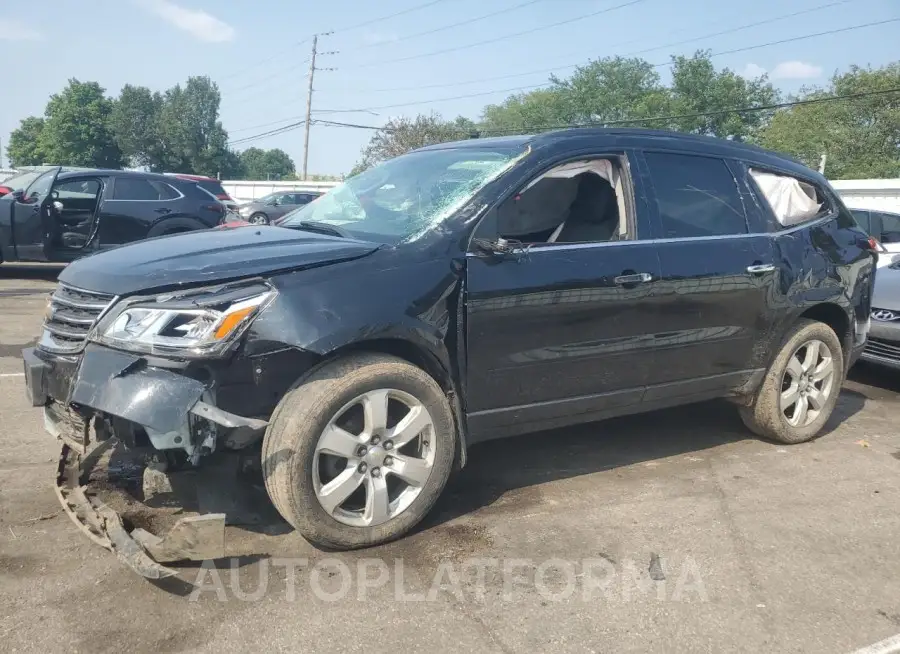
<point x="266" y="210"/>
<point x="883" y="345"/>
<point x="24" y="177"/>
<point x="212" y="185"/>
<point x="61" y="216"/>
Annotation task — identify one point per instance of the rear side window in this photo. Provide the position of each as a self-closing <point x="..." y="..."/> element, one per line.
<point x="863" y="220"/>
<point x="213" y="187"/>
<point x="135" y="188"/>
<point x="890" y="227"/>
<point x="696" y="196"/>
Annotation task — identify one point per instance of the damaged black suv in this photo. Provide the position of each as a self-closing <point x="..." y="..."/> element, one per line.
<point x="459" y="293"/>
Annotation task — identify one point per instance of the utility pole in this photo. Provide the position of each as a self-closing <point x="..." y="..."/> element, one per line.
<point x="309" y="92"/>
<point x="822" y="162"/>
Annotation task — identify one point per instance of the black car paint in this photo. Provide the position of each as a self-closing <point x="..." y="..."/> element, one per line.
<point x="498" y="331"/>
<point x="118" y="222"/>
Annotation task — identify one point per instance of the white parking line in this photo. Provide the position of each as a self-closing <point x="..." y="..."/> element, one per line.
<point x="889" y="646"/>
<point x="12" y="374"/>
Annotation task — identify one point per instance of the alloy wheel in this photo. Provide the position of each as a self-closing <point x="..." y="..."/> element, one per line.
<point x="807" y="384"/>
<point x="374" y="458"/>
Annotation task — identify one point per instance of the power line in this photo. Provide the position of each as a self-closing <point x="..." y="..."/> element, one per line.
<point x="654" y="119"/>
<point x="630" y="121"/>
<point x="281" y="53"/>
<point x="659" y="65"/>
<point x="251" y="67"/>
<point x="388" y="17"/>
<point x="495" y="39"/>
<point x="468" y="21"/>
<point x="280" y="130"/>
<point x="627" y="54"/>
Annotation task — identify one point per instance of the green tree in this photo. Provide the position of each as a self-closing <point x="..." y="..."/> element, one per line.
<point x="613" y="89"/>
<point x="267" y="164"/>
<point x="135" y="125"/>
<point x="861" y="136"/>
<point x="401" y="135"/>
<point x="24" y="147"/>
<point x="76" y="128"/>
<point x="697" y="87"/>
<point x="190" y="130"/>
<point x="525" y="112"/>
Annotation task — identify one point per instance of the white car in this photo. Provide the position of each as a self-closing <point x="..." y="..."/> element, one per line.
<point x="884" y="226"/>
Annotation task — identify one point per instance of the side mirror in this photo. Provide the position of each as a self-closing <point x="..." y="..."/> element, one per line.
<point x="18" y="196"/>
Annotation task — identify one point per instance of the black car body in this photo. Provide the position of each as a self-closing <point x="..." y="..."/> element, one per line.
<point x="63" y="216"/>
<point x="485" y="281"/>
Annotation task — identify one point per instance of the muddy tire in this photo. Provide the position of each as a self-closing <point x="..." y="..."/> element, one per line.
<point x="800" y="388"/>
<point x="357" y="453"/>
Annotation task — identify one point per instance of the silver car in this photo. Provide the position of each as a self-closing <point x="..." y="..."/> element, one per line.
<point x="883" y="346"/>
<point x="266" y="210"/>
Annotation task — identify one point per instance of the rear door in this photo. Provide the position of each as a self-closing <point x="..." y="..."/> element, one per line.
<point x="32" y="220"/>
<point x="717" y="276"/>
<point x="134" y="205"/>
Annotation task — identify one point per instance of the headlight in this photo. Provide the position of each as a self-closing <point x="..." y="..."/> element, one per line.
<point x="193" y="323"/>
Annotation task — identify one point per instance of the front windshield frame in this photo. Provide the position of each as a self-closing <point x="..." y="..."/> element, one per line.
<point x="418" y="191"/>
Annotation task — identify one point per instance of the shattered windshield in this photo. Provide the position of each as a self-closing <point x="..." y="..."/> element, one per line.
<point x="402" y="197"/>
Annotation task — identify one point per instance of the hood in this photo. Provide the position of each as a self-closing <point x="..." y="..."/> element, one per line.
<point x="208" y="256"/>
<point x="887" y="288"/>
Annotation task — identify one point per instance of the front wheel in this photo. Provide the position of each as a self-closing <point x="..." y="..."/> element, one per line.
<point x="258" y="218"/>
<point x="800" y="388"/>
<point x="358" y="453"/>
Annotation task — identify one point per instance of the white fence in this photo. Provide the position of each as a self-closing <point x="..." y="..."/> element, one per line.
<point x="245" y="191"/>
<point x="880" y="194"/>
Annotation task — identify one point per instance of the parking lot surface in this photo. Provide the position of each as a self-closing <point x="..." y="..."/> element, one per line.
<point x="671" y="531"/>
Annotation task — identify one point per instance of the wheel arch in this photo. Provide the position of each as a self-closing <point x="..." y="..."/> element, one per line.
<point x="835" y="317"/>
<point x="174" y="225"/>
<point x="420" y="356"/>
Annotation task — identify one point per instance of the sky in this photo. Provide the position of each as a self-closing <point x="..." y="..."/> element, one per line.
<point x="402" y="57"/>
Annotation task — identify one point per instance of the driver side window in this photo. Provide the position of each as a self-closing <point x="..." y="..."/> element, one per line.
<point x="576" y="202"/>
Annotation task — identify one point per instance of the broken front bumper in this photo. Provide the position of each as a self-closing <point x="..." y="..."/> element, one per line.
<point x="108" y="383"/>
<point x="78" y="394"/>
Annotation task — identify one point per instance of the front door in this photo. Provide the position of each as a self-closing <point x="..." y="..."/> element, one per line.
<point x="32" y="219"/>
<point x="559" y="332"/>
<point x="717" y="278"/>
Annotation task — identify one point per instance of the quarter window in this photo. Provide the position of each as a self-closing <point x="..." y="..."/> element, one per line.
<point x="696" y="196"/>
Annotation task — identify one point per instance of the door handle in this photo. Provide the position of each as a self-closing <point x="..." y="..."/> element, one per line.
<point x="636" y="278"/>
<point x="759" y="269"/>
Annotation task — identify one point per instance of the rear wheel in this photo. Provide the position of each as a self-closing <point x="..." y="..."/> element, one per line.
<point x="800" y="388"/>
<point x="358" y="453"/>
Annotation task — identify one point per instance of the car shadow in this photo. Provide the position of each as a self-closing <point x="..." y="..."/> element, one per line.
<point x="496" y="468"/>
<point x="38" y="271"/>
<point x="878" y="377"/>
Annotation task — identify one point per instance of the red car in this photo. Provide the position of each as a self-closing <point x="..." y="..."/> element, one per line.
<point x="211" y="185"/>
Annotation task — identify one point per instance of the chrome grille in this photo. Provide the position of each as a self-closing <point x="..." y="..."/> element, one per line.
<point x="881" y="348"/>
<point x="71" y="314"/>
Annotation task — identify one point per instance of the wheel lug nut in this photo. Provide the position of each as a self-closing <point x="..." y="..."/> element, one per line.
<point x="388" y="445"/>
<point x="388" y="460"/>
<point x="376" y="472"/>
<point x="361" y="451"/>
<point x="375" y="440"/>
<point x="363" y="467"/>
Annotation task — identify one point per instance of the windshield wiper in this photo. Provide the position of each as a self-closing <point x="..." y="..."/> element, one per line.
<point x="323" y="228"/>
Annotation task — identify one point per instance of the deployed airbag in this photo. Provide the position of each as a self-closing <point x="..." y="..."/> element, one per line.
<point x="791" y="200"/>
